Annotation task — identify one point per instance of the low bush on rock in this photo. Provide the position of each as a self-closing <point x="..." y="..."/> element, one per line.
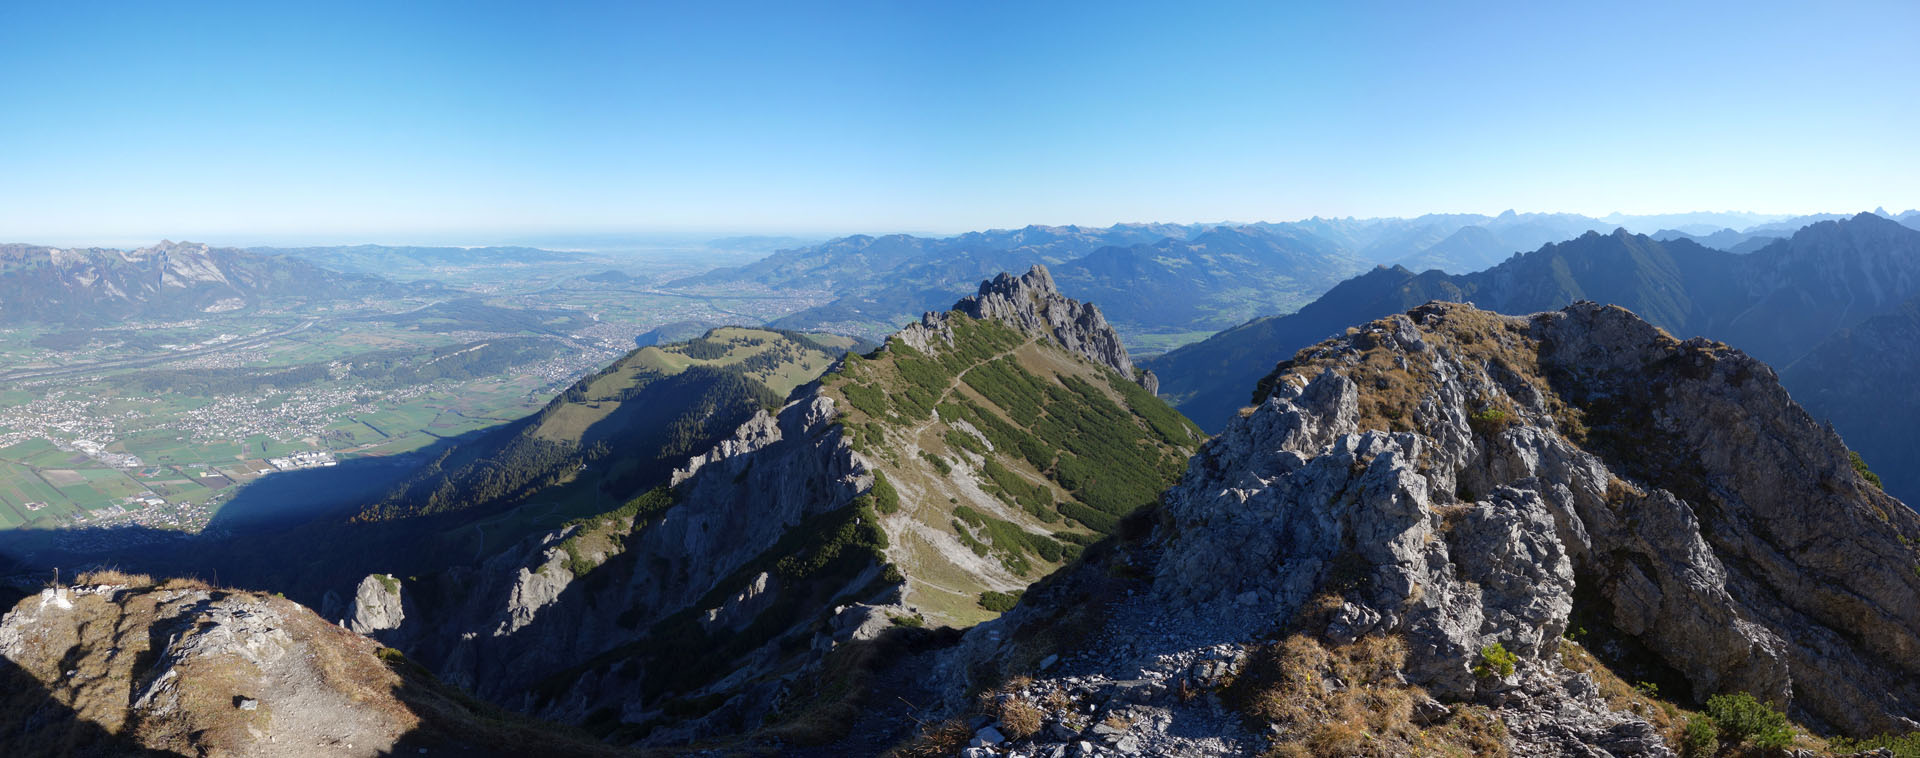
<point x="1702" y="739"/>
<point x="1495" y="660"/>
<point x="1901" y="746"/>
<point x="998" y="602"/>
<point x="1744" y="720"/>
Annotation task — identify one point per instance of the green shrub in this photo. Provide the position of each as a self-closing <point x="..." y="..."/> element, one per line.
<point x="1490" y="421"/>
<point x="868" y="400"/>
<point x="966" y="538"/>
<point x="999" y="602"/>
<point x="910" y="621"/>
<point x="856" y="534"/>
<point x="940" y="464"/>
<point x="1743" y="719"/>
<point x="1860" y="466"/>
<point x="1903" y="746"/>
<point x="960" y="440"/>
<point x="578" y="564"/>
<point x="1171" y="427"/>
<point x="886" y="499"/>
<point x="1702" y="738"/>
<point x="1033" y="498"/>
<point x="1495" y="660"/>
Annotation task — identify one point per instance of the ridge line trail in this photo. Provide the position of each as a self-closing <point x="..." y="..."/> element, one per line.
<point x="954" y="384"/>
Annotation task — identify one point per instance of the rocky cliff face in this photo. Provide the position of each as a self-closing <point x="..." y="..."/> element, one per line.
<point x="512" y="628"/>
<point x="1444" y="481"/>
<point x="1032" y="304"/>
<point x="687" y="613"/>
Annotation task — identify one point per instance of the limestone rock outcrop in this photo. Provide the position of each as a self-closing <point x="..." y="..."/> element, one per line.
<point x="1715" y="522"/>
<point x="193" y="671"/>
<point x="1032" y="304"/>
<point x="378" y="605"/>
<point x="1458" y="480"/>
<point x="502" y="626"/>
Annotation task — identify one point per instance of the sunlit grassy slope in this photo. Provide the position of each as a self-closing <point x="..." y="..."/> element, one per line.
<point x="613" y="434"/>
<point x="1008" y="454"/>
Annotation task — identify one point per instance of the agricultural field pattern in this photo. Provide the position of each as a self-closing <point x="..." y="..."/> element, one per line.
<point x="162" y="423"/>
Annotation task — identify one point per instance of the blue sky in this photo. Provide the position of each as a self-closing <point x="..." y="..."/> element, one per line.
<point x="475" y="122"/>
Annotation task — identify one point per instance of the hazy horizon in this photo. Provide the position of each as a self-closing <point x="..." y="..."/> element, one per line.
<point x="480" y="122"/>
<point x="637" y="241"/>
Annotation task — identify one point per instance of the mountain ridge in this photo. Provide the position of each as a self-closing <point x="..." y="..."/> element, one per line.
<point x="1860" y="265"/>
<point x="81" y="286"/>
<point x="901" y="485"/>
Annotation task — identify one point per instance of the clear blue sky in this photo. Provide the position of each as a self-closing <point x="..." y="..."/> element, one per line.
<point x="470" y="122"/>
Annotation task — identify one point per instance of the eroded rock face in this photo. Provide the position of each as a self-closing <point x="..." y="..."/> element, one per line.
<point x="1720" y="526"/>
<point x="1363" y="514"/>
<point x="1032" y="304"/>
<point x="1456" y="479"/>
<point x="740" y="609"/>
<point x="515" y="620"/>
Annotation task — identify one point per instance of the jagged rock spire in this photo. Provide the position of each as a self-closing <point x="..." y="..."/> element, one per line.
<point x="1032" y="304"/>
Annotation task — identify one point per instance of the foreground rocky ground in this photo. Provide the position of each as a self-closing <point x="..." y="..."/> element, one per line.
<point x="119" y="665"/>
<point x="1410" y="543"/>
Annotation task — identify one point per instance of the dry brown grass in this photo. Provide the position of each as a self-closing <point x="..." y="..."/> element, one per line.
<point x="1619" y="491"/>
<point x="1347" y="701"/>
<point x="823" y="706"/>
<point x="101" y="686"/>
<point x="206" y="721"/>
<point x="1056" y="699"/>
<point x="113" y="576"/>
<point x="1018" y="717"/>
<point x="936" y="741"/>
<point x="186" y="583"/>
<point x="1670" y="719"/>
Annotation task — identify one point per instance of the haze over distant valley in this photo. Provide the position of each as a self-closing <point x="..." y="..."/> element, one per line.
<point x="206" y="369"/>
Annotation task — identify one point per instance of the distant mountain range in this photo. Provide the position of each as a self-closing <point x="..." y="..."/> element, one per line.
<point x="95" y="286"/>
<point x="1825" y="306"/>
<point x="409" y="262"/>
<point x="1724" y="239"/>
<point x="1165" y="284"/>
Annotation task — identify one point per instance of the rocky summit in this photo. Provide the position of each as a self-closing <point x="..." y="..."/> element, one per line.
<point x="1032" y="304"/>
<point x="1453" y="531"/>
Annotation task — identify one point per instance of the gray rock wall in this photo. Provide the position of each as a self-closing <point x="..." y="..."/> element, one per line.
<point x="1742" y="550"/>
